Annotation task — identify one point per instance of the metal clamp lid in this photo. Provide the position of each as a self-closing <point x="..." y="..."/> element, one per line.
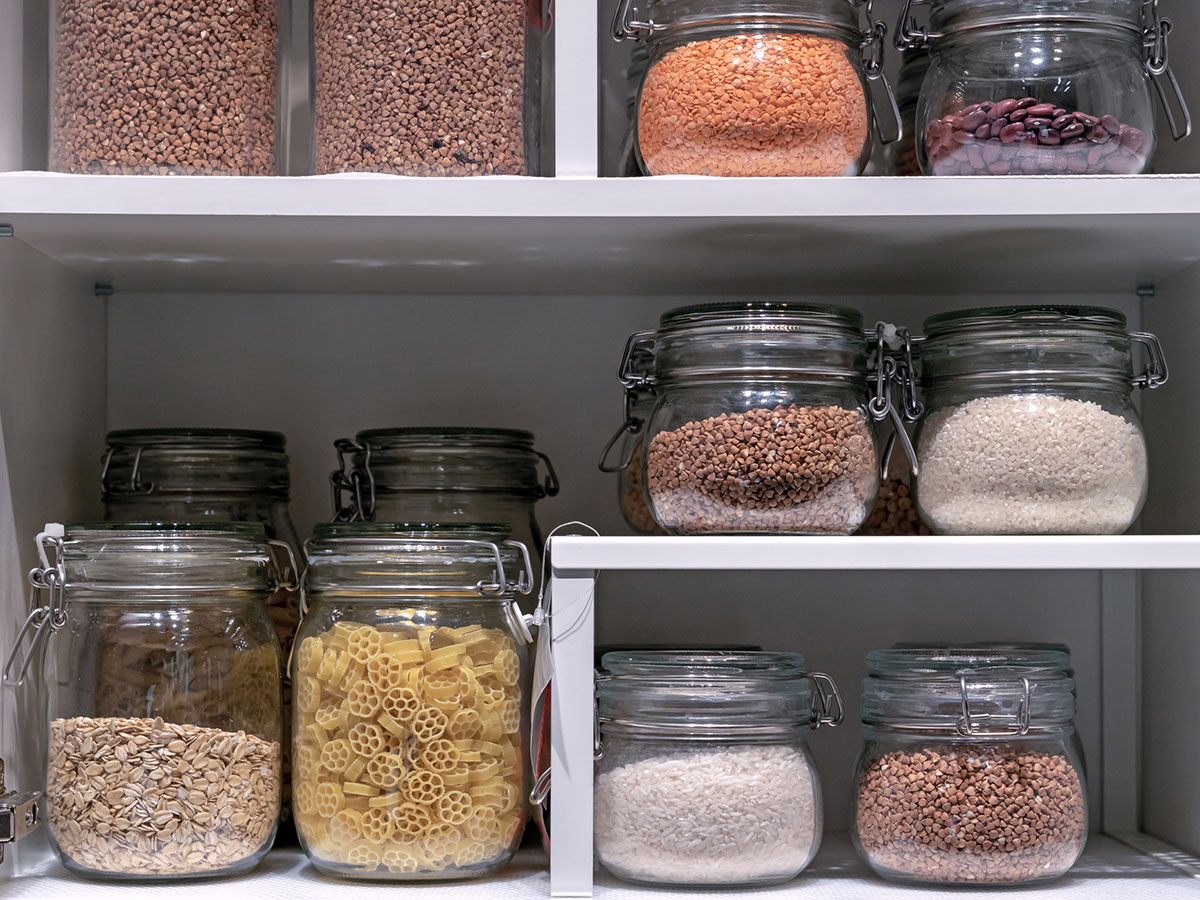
<point x="18" y="813"/>
<point x="828" y="708"/>
<point x="1157" y="28"/>
<point x="969" y="724"/>
<point x="43" y="619"/>
<point x="900" y="374"/>
<point x="873" y="48"/>
<point x="135" y="475"/>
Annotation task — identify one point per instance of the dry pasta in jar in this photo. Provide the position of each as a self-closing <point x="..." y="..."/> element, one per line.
<point x="409" y="704"/>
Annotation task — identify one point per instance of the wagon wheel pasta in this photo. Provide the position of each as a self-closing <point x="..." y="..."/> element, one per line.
<point x="408" y="747"/>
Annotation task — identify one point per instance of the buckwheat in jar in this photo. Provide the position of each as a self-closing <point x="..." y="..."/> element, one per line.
<point x="771" y="88"/>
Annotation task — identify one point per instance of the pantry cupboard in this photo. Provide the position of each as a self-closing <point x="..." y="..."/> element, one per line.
<point x="317" y="307"/>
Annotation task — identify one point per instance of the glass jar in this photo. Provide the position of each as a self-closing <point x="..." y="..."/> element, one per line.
<point x="409" y="737"/>
<point x="434" y="88"/>
<point x="447" y="475"/>
<point x="769" y="87"/>
<point x="763" y="419"/>
<point x="631" y="494"/>
<point x="1029" y="424"/>
<point x="704" y="773"/>
<point x="969" y="773"/>
<point x="1043" y="87"/>
<point x="165" y="87"/>
<point x="164" y="704"/>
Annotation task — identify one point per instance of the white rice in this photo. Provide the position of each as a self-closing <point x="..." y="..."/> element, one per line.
<point x="1030" y="464"/>
<point x="726" y="816"/>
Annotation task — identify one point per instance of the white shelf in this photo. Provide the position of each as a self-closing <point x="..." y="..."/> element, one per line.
<point x="1109" y="870"/>
<point x="597" y="236"/>
<point x="713" y="552"/>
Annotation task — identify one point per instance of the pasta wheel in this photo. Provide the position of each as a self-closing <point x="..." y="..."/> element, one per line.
<point x="508" y="667"/>
<point x="440" y="842"/>
<point x="358" y="789"/>
<point x="367" y="739"/>
<point x="308" y="694"/>
<point x="377" y="825"/>
<point x="328" y="664"/>
<point x="486" y="770"/>
<point x="304" y="797"/>
<point x="440" y="756"/>
<point x="386" y="770"/>
<point x="424" y="787"/>
<point x="364" y="644"/>
<point x="403" y="859"/>
<point x="327" y="716"/>
<point x="329" y="799"/>
<point x="411" y="818"/>
<point x="454" y="807"/>
<point x="355" y="770"/>
<point x="336" y="756"/>
<point x="385" y="672"/>
<point x="305" y="763"/>
<point x="314" y="734"/>
<point x="491" y="695"/>
<point x="470" y="854"/>
<point x="363" y="699"/>
<point x="346" y="827"/>
<point x="401" y="704"/>
<point x="308" y="656"/>
<point x="428" y="724"/>
<point x="464" y="724"/>
<point x="363" y="854"/>
<point x="483" y="825"/>
<point x="510" y="716"/>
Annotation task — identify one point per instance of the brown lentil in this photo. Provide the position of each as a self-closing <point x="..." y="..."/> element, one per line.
<point x="147" y="797"/>
<point x="895" y="512"/>
<point x="980" y="815"/>
<point x="164" y="87"/>
<point x="430" y="88"/>
<point x="805" y="469"/>
<point x="754" y="104"/>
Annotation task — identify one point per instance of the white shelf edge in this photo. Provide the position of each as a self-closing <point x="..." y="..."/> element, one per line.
<point x="831" y="553"/>
<point x="1050" y="197"/>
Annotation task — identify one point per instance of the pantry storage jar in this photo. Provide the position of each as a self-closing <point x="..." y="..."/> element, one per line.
<point x="623" y="454"/>
<point x="1029" y="425"/>
<point x="162" y="673"/>
<point x="969" y="774"/>
<point x="446" y="475"/>
<point x="410" y="670"/>
<point x="704" y="774"/>
<point x="165" y="87"/>
<point x="772" y="87"/>
<point x="763" y="419"/>
<point x="1043" y="87"/>
<point x="433" y="88"/>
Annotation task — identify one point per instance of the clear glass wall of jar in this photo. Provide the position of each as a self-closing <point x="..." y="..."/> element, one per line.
<point x="1043" y="87"/>
<point x="444" y="475"/>
<point x="763" y="420"/>
<point x="623" y="453"/>
<point x="162" y="668"/>
<point x="767" y="88"/>
<point x="969" y="773"/>
<point x="696" y="746"/>
<point x="165" y="87"/>
<point x="411" y="708"/>
<point x="431" y="89"/>
<point x="1029" y="423"/>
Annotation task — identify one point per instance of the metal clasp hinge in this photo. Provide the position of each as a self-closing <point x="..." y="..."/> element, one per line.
<point x="43" y="619"/>
<point x="18" y="813"/>
<point x="1156" y="31"/>
<point x="968" y="724"/>
<point x="135" y="476"/>
<point x="910" y="35"/>
<point x="625" y="24"/>
<point x="828" y="708"/>
<point x="1156" y="373"/>
<point x="872" y="48"/>
<point x="359" y="509"/>
<point x="888" y="374"/>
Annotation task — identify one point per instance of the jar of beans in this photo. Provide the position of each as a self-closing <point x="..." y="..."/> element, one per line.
<point x="162" y="673"/>
<point x="431" y="88"/>
<point x="625" y="449"/>
<point x="1029" y="424"/>
<point x="763" y="421"/>
<point x="1042" y="87"/>
<point x="411" y="676"/>
<point x="165" y="87"/>
<point x="705" y="777"/>
<point x="775" y="88"/>
<point x="969" y="774"/>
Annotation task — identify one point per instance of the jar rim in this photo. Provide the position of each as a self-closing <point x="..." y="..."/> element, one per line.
<point x="688" y="665"/>
<point x="949" y="663"/>
<point x="1093" y="318"/>
<point x="253" y="531"/>
<point x="434" y="436"/>
<point x="245" y="437"/>
<point x="738" y="312"/>
<point x="841" y="15"/>
<point x="955" y="16"/>
<point x="376" y="532"/>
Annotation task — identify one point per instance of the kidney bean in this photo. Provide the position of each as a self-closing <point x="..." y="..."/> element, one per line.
<point x="973" y="120"/>
<point x="1111" y="125"/>
<point x="1042" y="109"/>
<point x="1061" y="121"/>
<point x="1018" y="115"/>
<point x="1004" y="107"/>
<point x="1073" y="130"/>
<point x="996" y="127"/>
<point x="1033" y="123"/>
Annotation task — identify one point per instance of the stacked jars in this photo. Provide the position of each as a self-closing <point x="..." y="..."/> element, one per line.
<point x="1042" y="87"/>
<point x="763" y="419"/>
<point x="410" y="760"/>
<point x="969" y="774"/>
<point x="770" y="88"/>
<point x="705" y="777"/>
<point x="163" y="672"/>
<point x="1029" y="425"/>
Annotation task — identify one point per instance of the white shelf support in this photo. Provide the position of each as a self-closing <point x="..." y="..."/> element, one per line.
<point x="572" y="630"/>
<point x="576" y="90"/>
<point x="1121" y="701"/>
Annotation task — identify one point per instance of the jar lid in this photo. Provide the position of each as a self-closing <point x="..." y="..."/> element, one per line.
<point x="1093" y="318"/>
<point x="949" y="16"/>
<point x="669" y="15"/>
<point x="159" y="560"/>
<point x="150" y="462"/>
<point x="509" y="438"/>
<point x="476" y="560"/>
<point x="768" y="315"/>
<point x="974" y="692"/>
<point x="705" y="694"/>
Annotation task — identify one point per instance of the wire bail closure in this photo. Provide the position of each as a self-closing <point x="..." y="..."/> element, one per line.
<point x="899" y="374"/>
<point x="135" y="476"/>
<point x="45" y="619"/>
<point x="968" y="724"/>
